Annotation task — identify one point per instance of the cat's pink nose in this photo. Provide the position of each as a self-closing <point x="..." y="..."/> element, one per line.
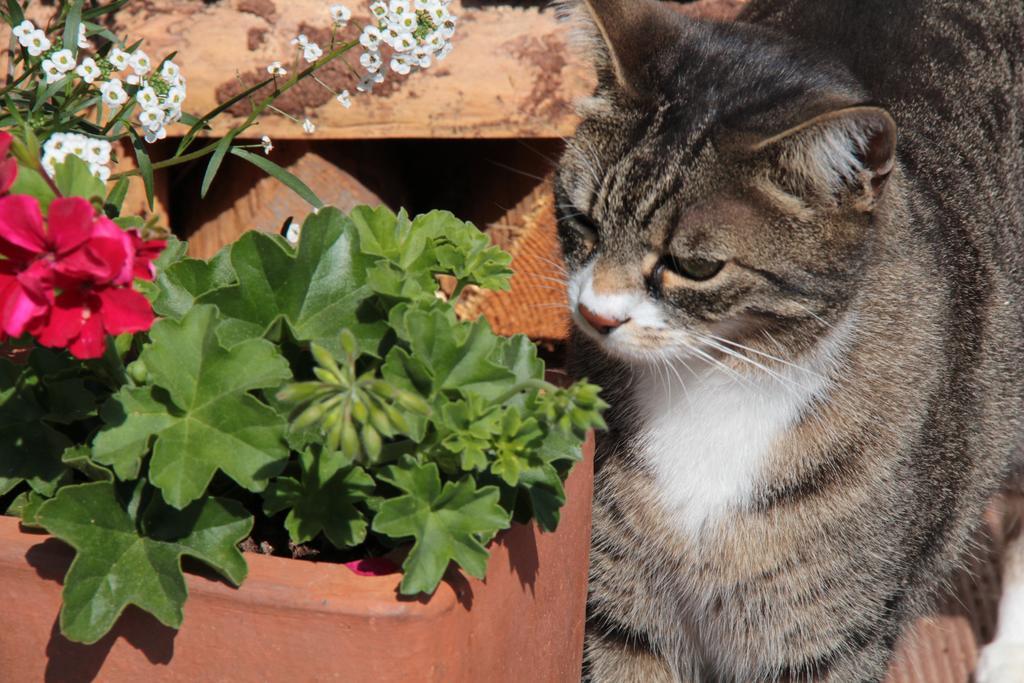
<point x="601" y="323"/>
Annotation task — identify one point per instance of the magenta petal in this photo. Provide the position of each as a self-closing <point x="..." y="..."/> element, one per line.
<point x="5" y="143"/>
<point x="19" y="308"/>
<point x="67" y="316"/>
<point x="8" y="174"/>
<point x="21" y="224"/>
<point x="373" y="566"/>
<point x="70" y="223"/>
<point x="91" y="342"/>
<point x="124" y="310"/>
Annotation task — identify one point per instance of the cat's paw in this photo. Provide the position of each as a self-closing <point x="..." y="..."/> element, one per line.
<point x="1001" y="662"/>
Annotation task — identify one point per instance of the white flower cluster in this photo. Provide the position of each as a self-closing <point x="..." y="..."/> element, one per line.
<point x="160" y="95"/>
<point x="93" y="151"/>
<point x="417" y="31"/>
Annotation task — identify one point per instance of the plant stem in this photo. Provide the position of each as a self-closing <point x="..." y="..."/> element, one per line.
<point x="250" y="120"/>
<point x="526" y="384"/>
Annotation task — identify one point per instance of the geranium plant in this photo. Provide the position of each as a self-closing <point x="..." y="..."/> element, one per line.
<point x="324" y="392"/>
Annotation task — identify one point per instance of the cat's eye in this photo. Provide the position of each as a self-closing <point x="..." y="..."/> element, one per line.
<point x="697" y="269"/>
<point x="586" y="228"/>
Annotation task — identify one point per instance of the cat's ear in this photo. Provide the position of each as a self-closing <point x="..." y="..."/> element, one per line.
<point x="623" y="38"/>
<point x="846" y="154"/>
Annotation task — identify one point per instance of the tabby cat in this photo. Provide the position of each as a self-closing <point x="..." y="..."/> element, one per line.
<point x="795" y="260"/>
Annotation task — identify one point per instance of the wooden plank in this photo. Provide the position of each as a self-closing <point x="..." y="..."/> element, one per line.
<point x="511" y="73"/>
<point x="244" y="198"/>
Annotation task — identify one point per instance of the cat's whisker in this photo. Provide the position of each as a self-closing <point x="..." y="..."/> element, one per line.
<point x="714" y="361"/>
<point x="766" y="355"/>
<point x="812" y="314"/>
<point x="517" y="171"/>
<point x="536" y="151"/>
<point x="786" y="383"/>
<point x="554" y="264"/>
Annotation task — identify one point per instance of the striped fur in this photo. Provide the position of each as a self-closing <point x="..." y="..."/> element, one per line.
<point x="799" y="446"/>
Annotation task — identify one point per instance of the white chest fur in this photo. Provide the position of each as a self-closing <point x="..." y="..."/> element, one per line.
<point x="709" y="435"/>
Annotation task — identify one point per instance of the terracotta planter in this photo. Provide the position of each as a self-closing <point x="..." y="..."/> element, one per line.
<point x="303" y="621"/>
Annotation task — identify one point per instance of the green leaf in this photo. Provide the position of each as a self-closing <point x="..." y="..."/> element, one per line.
<point x="201" y="412"/>
<point x="115" y="565"/>
<point x="15" y="12"/>
<point x="74" y="179"/>
<point x="449" y="358"/>
<point x="382" y="233"/>
<point x="288" y="179"/>
<point x="30" y="449"/>
<point x="30" y="182"/>
<point x="100" y="10"/>
<point x="465" y="252"/>
<point x="446" y="523"/>
<point x="179" y="285"/>
<point x="215" y="161"/>
<point x="145" y="165"/>
<point x="316" y="291"/>
<point x="79" y="458"/>
<point x="323" y="501"/>
<point x="115" y="198"/>
<point x="470" y="427"/>
<point x="71" y="24"/>
<point x="546" y="493"/>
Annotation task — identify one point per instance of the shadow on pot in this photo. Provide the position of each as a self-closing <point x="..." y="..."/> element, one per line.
<point x="69" y="662"/>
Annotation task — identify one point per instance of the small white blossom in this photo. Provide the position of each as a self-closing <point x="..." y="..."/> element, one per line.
<point x="275" y="69"/>
<point x="36" y="43"/>
<point x="152" y="136"/>
<point x="404" y="42"/>
<point x="113" y="93"/>
<point x="100" y="171"/>
<point x="83" y="40"/>
<point x="371" y="61"/>
<point x="366" y="84"/>
<point x="370" y="37"/>
<point x="52" y="71"/>
<point x="174" y="99"/>
<point x="63" y="60"/>
<point x="293" y="233"/>
<point x="22" y="31"/>
<point x="267" y="144"/>
<point x="345" y="99"/>
<point x="407" y="23"/>
<point x="312" y="52"/>
<point x="88" y="70"/>
<point x="301" y="40"/>
<point x="152" y="118"/>
<point x="119" y="59"/>
<point x="170" y="71"/>
<point x="399" y="8"/>
<point x="147" y="97"/>
<point x="309" y="127"/>
<point x="140" y="63"/>
<point x="340" y="15"/>
<point x="400" y="66"/>
<point x="97" y="151"/>
<point x="379" y="9"/>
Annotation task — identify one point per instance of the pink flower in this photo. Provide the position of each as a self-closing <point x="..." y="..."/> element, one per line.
<point x="24" y="238"/>
<point x="80" y="319"/>
<point x="8" y="166"/>
<point x="88" y="259"/>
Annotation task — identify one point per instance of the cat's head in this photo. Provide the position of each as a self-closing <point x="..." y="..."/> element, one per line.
<point x="723" y="183"/>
